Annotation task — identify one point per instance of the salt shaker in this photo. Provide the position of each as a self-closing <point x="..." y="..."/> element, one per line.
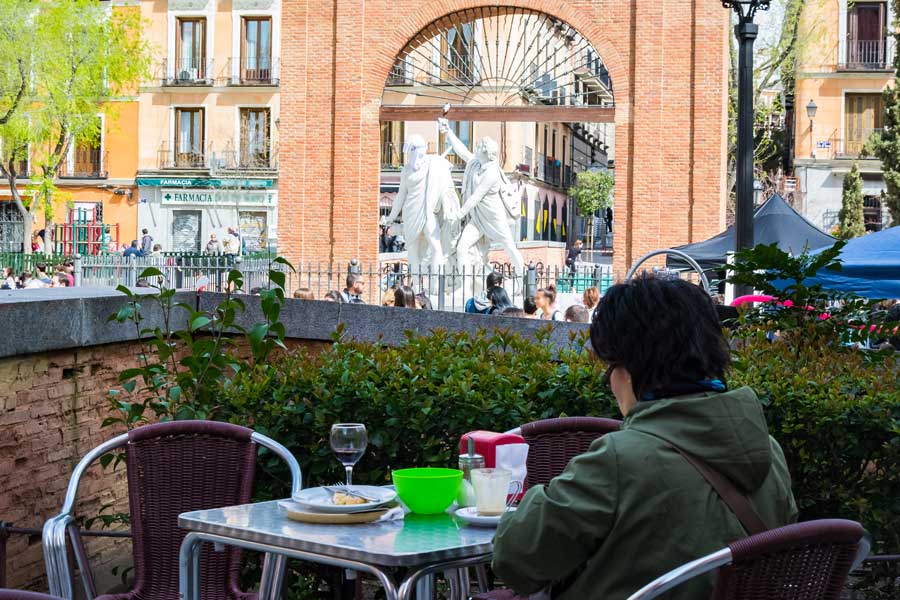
<point x="467" y="462"/>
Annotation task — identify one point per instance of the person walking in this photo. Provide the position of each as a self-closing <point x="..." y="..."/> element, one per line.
<point x="231" y="244"/>
<point x="572" y="255"/>
<point x="146" y="243"/>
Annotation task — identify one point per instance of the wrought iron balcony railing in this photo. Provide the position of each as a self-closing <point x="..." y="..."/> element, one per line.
<point x="86" y="165"/>
<point x="254" y="70"/>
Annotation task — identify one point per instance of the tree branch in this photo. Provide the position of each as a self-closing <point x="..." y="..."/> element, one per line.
<point x="19" y="95"/>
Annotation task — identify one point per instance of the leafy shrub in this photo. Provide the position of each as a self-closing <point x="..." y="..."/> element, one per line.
<point x="836" y="413"/>
<point x="416" y="399"/>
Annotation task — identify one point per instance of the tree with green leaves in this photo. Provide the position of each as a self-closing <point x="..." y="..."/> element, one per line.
<point x="592" y="192"/>
<point x="853" y="223"/>
<point x="886" y="145"/>
<point x="68" y="61"/>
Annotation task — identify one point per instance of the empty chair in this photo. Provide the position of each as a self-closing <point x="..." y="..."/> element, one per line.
<point x="172" y="468"/>
<point x="804" y="561"/>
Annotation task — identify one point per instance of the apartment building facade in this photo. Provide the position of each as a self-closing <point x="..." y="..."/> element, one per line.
<point x="846" y="51"/>
<point x="208" y="132"/>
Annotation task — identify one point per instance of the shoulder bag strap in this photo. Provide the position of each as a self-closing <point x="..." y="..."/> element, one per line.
<point x="739" y="503"/>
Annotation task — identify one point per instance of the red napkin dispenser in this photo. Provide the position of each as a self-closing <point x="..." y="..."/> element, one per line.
<point x="486" y="443"/>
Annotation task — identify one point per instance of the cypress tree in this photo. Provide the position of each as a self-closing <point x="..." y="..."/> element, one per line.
<point x="852" y="220"/>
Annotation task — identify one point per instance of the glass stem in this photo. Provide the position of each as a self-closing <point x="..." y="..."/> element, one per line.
<point x="349" y="475"/>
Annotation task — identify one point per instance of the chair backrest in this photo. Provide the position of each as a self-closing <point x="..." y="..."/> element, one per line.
<point x="552" y="443"/>
<point x="177" y="467"/>
<point x="6" y="594"/>
<point x="804" y="561"/>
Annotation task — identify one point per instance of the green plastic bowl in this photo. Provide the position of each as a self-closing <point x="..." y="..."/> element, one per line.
<point x="427" y="491"/>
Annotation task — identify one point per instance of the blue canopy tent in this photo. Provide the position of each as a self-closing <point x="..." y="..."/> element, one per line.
<point x="870" y="267"/>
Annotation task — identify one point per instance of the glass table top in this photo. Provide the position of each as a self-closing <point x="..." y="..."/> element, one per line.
<point x="414" y="540"/>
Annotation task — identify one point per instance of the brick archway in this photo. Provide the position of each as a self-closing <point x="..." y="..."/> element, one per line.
<point x="668" y="64"/>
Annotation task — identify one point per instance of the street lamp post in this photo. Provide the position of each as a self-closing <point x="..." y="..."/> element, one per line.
<point x="811" y="109"/>
<point x="745" y="31"/>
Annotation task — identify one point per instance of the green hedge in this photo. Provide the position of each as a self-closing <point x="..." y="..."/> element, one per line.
<point x="835" y="412"/>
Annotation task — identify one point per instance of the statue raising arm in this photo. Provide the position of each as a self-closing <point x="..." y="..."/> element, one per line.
<point x="459" y="148"/>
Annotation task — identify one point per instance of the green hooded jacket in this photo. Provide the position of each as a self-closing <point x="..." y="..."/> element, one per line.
<point x="632" y="508"/>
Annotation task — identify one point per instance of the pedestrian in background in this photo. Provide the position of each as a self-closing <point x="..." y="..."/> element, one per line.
<point x="9" y="279"/>
<point x="133" y="250"/>
<point x="304" y="293"/>
<point x="146" y="242"/>
<point x="577" y="314"/>
<point x="405" y="297"/>
<point x="545" y="299"/>
<point x="213" y="246"/>
<point x="352" y="294"/>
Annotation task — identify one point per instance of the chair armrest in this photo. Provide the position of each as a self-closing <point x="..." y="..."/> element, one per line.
<point x="679" y="575"/>
<point x="56" y="556"/>
<point x="286" y="456"/>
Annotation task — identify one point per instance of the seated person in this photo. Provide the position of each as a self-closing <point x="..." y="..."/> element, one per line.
<point x="632" y="508"/>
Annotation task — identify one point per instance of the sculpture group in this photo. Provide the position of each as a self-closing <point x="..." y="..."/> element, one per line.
<point x="440" y="231"/>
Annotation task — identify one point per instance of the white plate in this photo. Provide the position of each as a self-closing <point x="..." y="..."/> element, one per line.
<point x="470" y="515"/>
<point x="319" y="499"/>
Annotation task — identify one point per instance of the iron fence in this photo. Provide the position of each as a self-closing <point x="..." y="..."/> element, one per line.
<point x="450" y="289"/>
<point x="191" y="272"/>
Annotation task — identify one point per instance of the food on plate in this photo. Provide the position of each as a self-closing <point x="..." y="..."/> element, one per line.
<point x="343" y="499"/>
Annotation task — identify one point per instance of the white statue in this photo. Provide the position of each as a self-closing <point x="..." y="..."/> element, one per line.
<point x="486" y="201"/>
<point x="428" y="203"/>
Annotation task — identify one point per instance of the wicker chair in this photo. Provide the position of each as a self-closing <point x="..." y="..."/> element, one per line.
<point x="172" y="468"/>
<point x="6" y="594"/>
<point x="805" y="561"/>
<point x="552" y="444"/>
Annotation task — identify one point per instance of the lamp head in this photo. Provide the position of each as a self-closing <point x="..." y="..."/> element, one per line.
<point x="811" y="109"/>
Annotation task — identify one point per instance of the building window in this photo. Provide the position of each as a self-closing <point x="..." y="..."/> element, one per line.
<point x="863" y="116"/>
<point x="463" y="131"/>
<point x="256" y="50"/>
<point x="190" y="49"/>
<point x="255" y="137"/>
<point x="866" y="35"/>
<point x="872" y="213"/>
<point x="189" y="138"/>
<point x="457" y="53"/>
<point x="85" y="159"/>
<point x="392" y="135"/>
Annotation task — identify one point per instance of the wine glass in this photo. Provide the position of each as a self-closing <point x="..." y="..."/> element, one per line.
<point x="348" y="442"/>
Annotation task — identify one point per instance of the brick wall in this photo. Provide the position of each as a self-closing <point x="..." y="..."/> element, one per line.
<point x="51" y="408"/>
<point x="667" y="61"/>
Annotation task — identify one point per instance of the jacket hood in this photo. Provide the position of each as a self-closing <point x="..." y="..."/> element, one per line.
<point x="481" y="304"/>
<point x="726" y="430"/>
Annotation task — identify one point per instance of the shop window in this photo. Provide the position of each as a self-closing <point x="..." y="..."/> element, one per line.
<point x="186" y="231"/>
<point x="190" y="50"/>
<point x="189" y="144"/>
<point x="256" y="49"/>
<point x="253" y="230"/>
<point x="255" y="138"/>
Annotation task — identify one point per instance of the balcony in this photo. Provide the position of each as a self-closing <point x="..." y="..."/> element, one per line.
<point x="552" y="172"/>
<point x="187" y="71"/>
<point x="847" y="146"/>
<point x="86" y="165"/>
<point x="250" y="71"/>
<point x="867" y="55"/>
<point x="234" y="160"/>
<point x="167" y="159"/>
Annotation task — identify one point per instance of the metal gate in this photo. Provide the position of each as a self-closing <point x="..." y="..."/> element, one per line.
<point x="11" y="229"/>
